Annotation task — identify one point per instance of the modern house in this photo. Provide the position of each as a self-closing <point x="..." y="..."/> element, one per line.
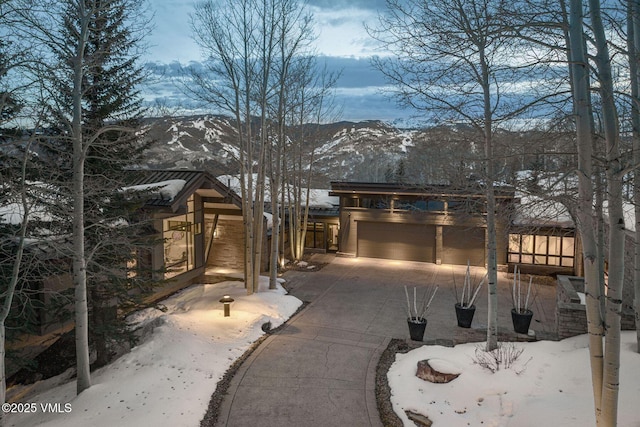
<point x="198" y="220"/>
<point x="446" y="225"/>
<point x="193" y="220"/>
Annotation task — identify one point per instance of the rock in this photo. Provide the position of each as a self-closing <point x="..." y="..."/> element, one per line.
<point x="266" y="327"/>
<point x="419" y="419"/>
<point x="443" y="374"/>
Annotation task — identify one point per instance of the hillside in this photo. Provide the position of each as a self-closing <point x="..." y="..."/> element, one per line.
<point x="363" y="151"/>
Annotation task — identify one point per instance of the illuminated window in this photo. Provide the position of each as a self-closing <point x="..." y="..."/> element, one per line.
<point x="541" y="249"/>
<point x="132" y="267"/>
<point x="179" y="235"/>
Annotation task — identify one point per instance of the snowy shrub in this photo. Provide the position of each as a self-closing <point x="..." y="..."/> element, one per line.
<point x="503" y="357"/>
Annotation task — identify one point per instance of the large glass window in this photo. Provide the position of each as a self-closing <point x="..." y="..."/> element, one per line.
<point x="179" y="235"/>
<point x="375" y="202"/>
<point x="542" y="249"/>
<point x="315" y="236"/>
<point x="419" y="204"/>
<point x="467" y="205"/>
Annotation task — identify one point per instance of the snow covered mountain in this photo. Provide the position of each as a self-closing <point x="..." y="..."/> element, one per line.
<point x="363" y="151"/>
<point x="372" y="151"/>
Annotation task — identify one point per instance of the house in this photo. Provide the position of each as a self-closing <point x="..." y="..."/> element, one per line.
<point x="194" y="220"/>
<point x="198" y="220"/>
<point x="446" y="225"/>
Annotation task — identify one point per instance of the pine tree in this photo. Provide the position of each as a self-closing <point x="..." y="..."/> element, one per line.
<point x="96" y="45"/>
<point x="110" y="97"/>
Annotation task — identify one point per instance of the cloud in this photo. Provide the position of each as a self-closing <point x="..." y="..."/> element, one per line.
<point x="356" y="72"/>
<point x="346" y="4"/>
<point x="358" y="92"/>
<point x="343" y="44"/>
<point x="340" y="24"/>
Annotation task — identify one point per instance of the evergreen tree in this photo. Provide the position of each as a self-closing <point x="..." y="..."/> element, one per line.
<point x="111" y="96"/>
<point x="110" y="116"/>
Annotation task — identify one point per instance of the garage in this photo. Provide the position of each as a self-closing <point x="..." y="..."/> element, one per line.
<point x="408" y="242"/>
<point x="462" y="244"/>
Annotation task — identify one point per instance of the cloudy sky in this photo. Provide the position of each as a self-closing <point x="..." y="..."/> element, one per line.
<point x="342" y="40"/>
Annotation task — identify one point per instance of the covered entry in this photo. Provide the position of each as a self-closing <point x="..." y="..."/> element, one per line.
<point x="408" y="242"/>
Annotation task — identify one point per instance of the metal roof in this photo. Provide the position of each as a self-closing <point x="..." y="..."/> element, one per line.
<point x="194" y="180"/>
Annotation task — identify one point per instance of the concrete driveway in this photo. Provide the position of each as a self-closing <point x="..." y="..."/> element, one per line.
<point x="319" y="370"/>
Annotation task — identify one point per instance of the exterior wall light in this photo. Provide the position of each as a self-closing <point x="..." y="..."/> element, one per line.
<point x="227" y="300"/>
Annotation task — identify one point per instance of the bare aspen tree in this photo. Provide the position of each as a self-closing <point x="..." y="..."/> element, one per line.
<point x="251" y="46"/>
<point x="21" y="197"/>
<point x="633" y="46"/>
<point x="311" y="92"/>
<point x="456" y="59"/>
<point x="585" y="212"/>
<point x="237" y="39"/>
<point x="600" y="170"/>
<point x="295" y="36"/>
<point x="69" y="36"/>
<point x="616" y="225"/>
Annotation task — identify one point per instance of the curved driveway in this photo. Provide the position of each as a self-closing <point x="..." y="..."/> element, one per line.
<point x="319" y="370"/>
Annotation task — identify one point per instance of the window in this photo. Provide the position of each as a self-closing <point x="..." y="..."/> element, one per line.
<point x="420" y="204"/>
<point x="179" y="235"/>
<point x="541" y="249"/>
<point x="349" y="202"/>
<point x="435" y="205"/>
<point x="376" y="202"/>
<point x="467" y="205"/>
<point x="315" y="236"/>
<point x="139" y="264"/>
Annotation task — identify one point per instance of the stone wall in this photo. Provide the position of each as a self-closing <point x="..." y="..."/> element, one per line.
<point x="571" y="315"/>
<point x="227" y="250"/>
<point x="628" y="322"/>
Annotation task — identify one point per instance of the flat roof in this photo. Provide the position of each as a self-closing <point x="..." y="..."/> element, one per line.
<point x="474" y="189"/>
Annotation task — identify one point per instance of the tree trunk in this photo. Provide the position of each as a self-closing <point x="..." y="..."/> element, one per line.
<point x="9" y="293"/>
<point x="79" y="260"/>
<point x="613" y="314"/>
<point x="584" y="210"/>
<point x="492" y="262"/>
<point x="633" y="43"/>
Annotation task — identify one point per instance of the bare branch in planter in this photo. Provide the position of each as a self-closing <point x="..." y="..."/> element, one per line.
<point x="469" y="292"/>
<point x="475" y="294"/>
<point x="406" y="292"/>
<point x="516" y="293"/>
<point x="426" y="308"/>
<point x="418" y="314"/>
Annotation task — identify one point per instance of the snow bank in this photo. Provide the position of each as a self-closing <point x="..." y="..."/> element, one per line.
<point x="168" y="379"/>
<point x="550" y="385"/>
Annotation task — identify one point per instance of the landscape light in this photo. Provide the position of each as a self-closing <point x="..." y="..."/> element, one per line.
<point x="227" y="300"/>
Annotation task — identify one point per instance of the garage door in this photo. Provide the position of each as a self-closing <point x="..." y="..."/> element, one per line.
<point x="461" y="244"/>
<point x="409" y="242"/>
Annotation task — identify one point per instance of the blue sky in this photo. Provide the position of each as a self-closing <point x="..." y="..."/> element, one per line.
<point x="342" y="42"/>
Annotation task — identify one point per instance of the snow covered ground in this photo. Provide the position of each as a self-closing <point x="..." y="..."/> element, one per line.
<point x="549" y="385"/>
<point x="168" y="379"/>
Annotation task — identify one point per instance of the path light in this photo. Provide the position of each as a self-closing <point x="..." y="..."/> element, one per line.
<point x="227" y="300"/>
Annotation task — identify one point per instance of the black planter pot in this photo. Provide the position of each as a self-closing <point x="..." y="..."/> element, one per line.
<point x="465" y="315"/>
<point x="521" y="321"/>
<point x="417" y="325"/>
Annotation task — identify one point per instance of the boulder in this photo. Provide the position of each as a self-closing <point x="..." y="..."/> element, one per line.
<point x="437" y="371"/>
<point x="418" y="419"/>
